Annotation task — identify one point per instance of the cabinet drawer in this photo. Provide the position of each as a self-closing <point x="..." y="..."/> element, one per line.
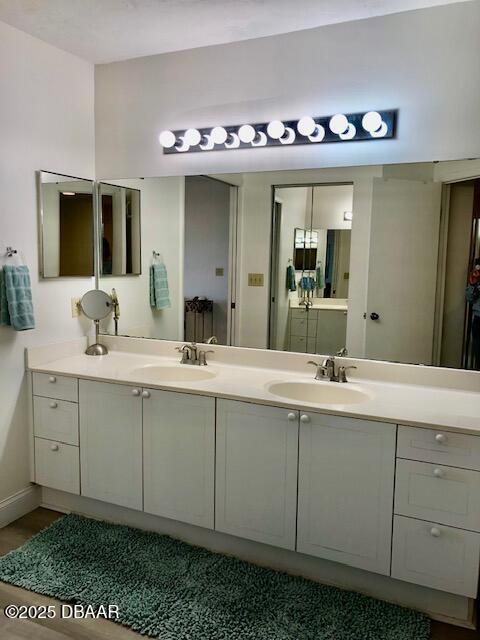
<point x="55" y="419"/>
<point x="440" y="447"/>
<point x="298" y="344"/>
<point x="52" y="386"/>
<point x="434" y="492"/>
<point x="435" y="556"/>
<point x="298" y="313"/>
<point x="57" y="465"/>
<point x="298" y="326"/>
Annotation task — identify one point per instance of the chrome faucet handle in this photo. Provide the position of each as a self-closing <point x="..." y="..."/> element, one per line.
<point x="321" y="370"/>
<point x="202" y="360"/>
<point x="342" y="373"/>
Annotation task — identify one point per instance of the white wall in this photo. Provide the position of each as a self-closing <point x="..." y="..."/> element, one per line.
<point x="207" y="224"/>
<point x="161" y="220"/>
<point x="329" y="206"/>
<point x="423" y="62"/>
<point x="46" y="122"/>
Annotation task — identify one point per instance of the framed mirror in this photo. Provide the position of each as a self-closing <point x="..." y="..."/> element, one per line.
<point x="66" y="225"/>
<point x="382" y="262"/>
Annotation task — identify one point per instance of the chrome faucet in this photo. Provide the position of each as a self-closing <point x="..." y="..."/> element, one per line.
<point x="326" y="370"/>
<point x="191" y="355"/>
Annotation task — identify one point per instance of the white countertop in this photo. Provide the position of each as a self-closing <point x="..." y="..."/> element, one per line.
<point x="417" y="405"/>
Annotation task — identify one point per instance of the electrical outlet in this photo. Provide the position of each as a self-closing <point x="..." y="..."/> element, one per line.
<point x="75" y="306"/>
<point x="255" y="279"/>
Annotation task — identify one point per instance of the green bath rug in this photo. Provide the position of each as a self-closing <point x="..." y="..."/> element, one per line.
<point x="171" y="590"/>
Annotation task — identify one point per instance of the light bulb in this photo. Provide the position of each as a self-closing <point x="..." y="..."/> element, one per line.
<point x="347" y="216"/>
<point x="372" y="121"/>
<point x="167" y="139"/>
<point x="247" y="133"/>
<point x="349" y="134"/>
<point x="338" y="123"/>
<point x="219" y="135"/>
<point x="306" y="126"/>
<point x="381" y="131"/>
<point x="276" y="129"/>
<point x="192" y="137"/>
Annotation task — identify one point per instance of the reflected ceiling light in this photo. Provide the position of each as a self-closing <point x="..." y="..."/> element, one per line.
<point x="167" y="139"/>
<point x="347" y="216"/>
<point x="68" y="193"/>
<point x="341" y="127"/>
<point x="219" y="135"/>
<point x="247" y="133"/>
<point x="192" y="137"/>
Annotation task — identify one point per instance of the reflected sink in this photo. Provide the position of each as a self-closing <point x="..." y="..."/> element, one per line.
<point x="319" y="392"/>
<point x="172" y="373"/>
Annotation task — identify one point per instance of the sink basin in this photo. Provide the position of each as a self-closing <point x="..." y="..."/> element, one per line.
<point x="319" y="392"/>
<point x="172" y="373"/>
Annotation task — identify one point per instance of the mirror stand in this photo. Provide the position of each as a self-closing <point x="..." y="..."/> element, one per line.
<point x="96" y="349"/>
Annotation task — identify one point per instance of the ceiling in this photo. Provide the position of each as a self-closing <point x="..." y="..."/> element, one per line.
<point x="108" y="30"/>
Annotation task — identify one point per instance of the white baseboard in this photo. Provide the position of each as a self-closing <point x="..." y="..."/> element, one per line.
<point x="19" y="504"/>
<point x="439" y="605"/>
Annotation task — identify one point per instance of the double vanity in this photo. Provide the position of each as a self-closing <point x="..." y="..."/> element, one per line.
<point x="378" y="476"/>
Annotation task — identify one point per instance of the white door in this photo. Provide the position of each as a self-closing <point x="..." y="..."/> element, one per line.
<point x="402" y="274"/>
<point x="256" y="472"/>
<point x="111" y="443"/>
<point x="345" y="490"/>
<point x="179" y="456"/>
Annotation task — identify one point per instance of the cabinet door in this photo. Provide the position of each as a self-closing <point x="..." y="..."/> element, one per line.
<point x="179" y="456"/>
<point x="345" y="490"/>
<point x="256" y="472"/>
<point x="111" y="443"/>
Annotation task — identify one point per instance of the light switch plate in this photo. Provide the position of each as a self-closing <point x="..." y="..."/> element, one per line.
<point x="255" y="279"/>
<point x="219" y="271"/>
<point x="75" y="305"/>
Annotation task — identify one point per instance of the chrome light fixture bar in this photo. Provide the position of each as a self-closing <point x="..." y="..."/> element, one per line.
<point x="340" y="127"/>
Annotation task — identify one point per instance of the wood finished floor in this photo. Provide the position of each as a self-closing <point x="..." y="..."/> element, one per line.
<point x="21" y="530"/>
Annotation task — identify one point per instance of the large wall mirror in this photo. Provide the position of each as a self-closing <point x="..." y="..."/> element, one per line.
<point x="380" y="262"/>
<point x="66" y="225"/>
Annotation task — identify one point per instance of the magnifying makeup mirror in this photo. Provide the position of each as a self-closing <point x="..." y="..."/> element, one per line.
<point x="96" y="305"/>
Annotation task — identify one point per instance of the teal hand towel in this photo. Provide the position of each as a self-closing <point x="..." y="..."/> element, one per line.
<point x="159" y="294"/>
<point x="4" y="314"/>
<point x="18" y="292"/>
<point x="291" y="284"/>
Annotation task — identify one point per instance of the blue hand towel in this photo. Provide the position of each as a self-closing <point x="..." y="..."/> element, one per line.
<point x="159" y="295"/>
<point x="307" y="283"/>
<point x="16" y="289"/>
<point x="291" y="284"/>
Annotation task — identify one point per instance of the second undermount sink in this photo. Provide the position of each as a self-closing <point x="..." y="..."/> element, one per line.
<point x="172" y="373"/>
<point x="319" y="392"/>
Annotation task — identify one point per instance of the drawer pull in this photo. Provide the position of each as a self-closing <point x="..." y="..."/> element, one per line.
<point x="304" y="418"/>
<point x="438" y="473"/>
<point x="135" y="392"/>
<point x="54" y="447"/>
<point x="53" y="405"/>
<point x="441" y="438"/>
<point x="52" y="379"/>
<point x="145" y="394"/>
<point x="435" y="532"/>
<point x="292" y="416"/>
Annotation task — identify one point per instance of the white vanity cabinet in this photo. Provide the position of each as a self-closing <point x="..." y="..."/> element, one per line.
<point x="111" y="443"/>
<point x="345" y="490"/>
<point x="179" y="456"/>
<point x="256" y="472"/>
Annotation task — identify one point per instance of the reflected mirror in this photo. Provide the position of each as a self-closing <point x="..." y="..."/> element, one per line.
<point x="375" y="261"/>
<point x="120" y="246"/>
<point x="66" y="212"/>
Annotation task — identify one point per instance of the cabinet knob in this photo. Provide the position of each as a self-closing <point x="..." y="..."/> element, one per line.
<point x="135" y="392"/>
<point x="53" y="405"/>
<point x="438" y="473"/>
<point x="304" y="418"/>
<point x="145" y="394"/>
<point x="435" y="532"/>
<point x="54" y="447"/>
<point x="441" y="438"/>
<point x="52" y="379"/>
<point x="292" y="416"/>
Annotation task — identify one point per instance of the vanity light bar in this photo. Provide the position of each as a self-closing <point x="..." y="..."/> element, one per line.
<point x="367" y="125"/>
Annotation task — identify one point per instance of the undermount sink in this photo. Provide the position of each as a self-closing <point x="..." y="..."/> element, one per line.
<point x="172" y="373"/>
<point x="319" y="392"/>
